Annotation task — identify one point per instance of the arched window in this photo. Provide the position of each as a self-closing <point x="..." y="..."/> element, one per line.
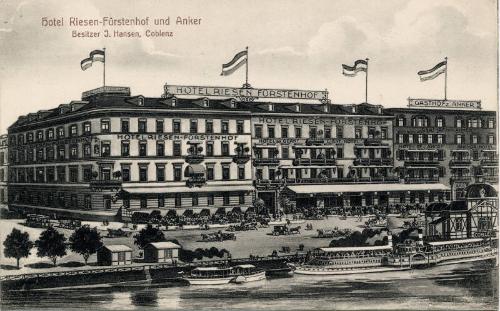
<point x="420" y="121"/>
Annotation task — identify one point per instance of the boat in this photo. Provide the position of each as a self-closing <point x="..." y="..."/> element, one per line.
<point x="285" y="222"/>
<point x="225" y="275"/>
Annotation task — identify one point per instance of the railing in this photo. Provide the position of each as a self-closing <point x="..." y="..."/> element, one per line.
<point x="241" y="158"/>
<point x="324" y="161"/>
<point x="421" y="162"/>
<point x="194" y="158"/>
<point x="373" y="141"/>
<point x="266" y="161"/>
<point x="491" y="178"/>
<point x="315" y="141"/>
<point x="489" y="161"/>
<point x="454" y="162"/>
<point x="421" y="180"/>
<point x="465" y="178"/>
<point x="378" y="161"/>
<point x="195" y="181"/>
<point x="326" y="180"/>
<point x="105" y="184"/>
<point x="107" y="89"/>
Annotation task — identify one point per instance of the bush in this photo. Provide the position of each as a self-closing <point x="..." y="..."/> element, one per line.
<point x="356" y="239"/>
<point x="140" y="218"/>
<point x="148" y="235"/>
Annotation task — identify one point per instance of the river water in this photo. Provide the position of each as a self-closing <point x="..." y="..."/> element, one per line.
<point x="456" y="287"/>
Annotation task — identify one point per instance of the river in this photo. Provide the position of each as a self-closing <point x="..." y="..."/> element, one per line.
<point x="456" y="287"/>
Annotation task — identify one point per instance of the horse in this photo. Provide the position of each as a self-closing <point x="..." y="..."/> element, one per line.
<point x="295" y="230"/>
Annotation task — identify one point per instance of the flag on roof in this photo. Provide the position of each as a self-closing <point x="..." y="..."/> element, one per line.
<point x="433" y="72"/>
<point x="95" y="56"/>
<point x="238" y="60"/>
<point x="351" y="71"/>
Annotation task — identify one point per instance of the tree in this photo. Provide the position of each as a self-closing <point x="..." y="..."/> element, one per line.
<point x="85" y="241"/>
<point x="17" y="245"/>
<point x="148" y="235"/>
<point x="51" y="244"/>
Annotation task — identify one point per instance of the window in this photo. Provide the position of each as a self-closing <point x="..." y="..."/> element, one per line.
<point x="161" y="200"/>
<point x="298" y="132"/>
<point x="400" y="138"/>
<point x="125" y="148"/>
<point x="357" y="132"/>
<point x="61" y="174"/>
<point x="328" y="132"/>
<point x="459" y="139"/>
<point x="475" y="155"/>
<point x="209" y="126"/>
<point x="105" y="149"/>
<point x="176" y="126"/>
<point x="73" y="130"/>
<point x="143" y="173"/>
<point x="491" y="123"/>
<point x="194" y="199"/>
<point x="39" y="136"/>
<point x="159" y="126"/>
<point x="50" y="134"/>
<point x="439" y="122"/>
<point x="429" y="138"/>
<point x="383" y="133"/>
<point x="143" y="148"/>
<point x="160" y="148"/>
<point x="61" y="153"/>
<point x="458" y="123"/>
<point x="340" y="152"/>
<point x="210" y="149"/>
<point x="210" y="173"/>
<point x="87" y="173"/>
<point x="142" y="126"/>
<point x="177" y="149"/>
<point x="313" y="132"/>
<point x="177" y="173"/>
<point x="401" y="121"/>
<point x="126" y="173"/>
<point x="178" y="200"/>
<point x="210" y="199"/>
<point x="241" y="198"/>
<point x="160" y="173"/>
<point x="258" y="131"/>
<point x="225" y="172"/>
<point x="193" y="126"/>
<point x="340" y="132"/>
<point x="73" y="151"/>
<point x="402" y="197"/>
<point x="225" y="127"/>
<point x="87" y="151"/>
<point x="440" y="138"/>
<point x="474" y="139"/>
<point x="241" y="172"/>
<point x="239" y="127"/>
<point x="225" y="198"/>
<point x="491" y="139"/>
<point x="225" y="148"/>
<point x="284" y="131"/>
<point x="284" y="152"/>
<point x="73" y="174"/>
<point x="270" y="131"/>
<point x="420" y="138"/>
<point x="60" y="133"/>
<point x="125" y="124"/>
<point x="105" y="126"/>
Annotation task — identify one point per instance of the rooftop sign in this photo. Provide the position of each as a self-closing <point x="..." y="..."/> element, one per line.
<point x="439" y="103"/>
<point x="245" y="94"/>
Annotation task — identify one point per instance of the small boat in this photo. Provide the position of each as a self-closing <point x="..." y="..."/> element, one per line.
<point x="225" y="275"/>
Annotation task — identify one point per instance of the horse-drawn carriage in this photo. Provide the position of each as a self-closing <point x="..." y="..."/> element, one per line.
<point x="118" y="233"/>
<point x="285" y="230"/>
<point x="218" y="236"/>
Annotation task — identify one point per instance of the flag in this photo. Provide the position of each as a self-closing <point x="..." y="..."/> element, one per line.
<point x="351" y="71"/>
<point x="432" y="73"/>
<point x="95" y="56"/>
<point x="238" y="60"/>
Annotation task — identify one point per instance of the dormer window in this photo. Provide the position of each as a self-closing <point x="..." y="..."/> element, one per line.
<point x="353" y="109"/>
<point x="174" y="102"/>
<point x="205" y="103"/>
<point x="233" y="103"/>
<point x="379" y="109"/>
<point x="141" y="101"/>
<point x="326" y="108"/>
<point x="297" y="108"/>
<point x="270" y="107"/>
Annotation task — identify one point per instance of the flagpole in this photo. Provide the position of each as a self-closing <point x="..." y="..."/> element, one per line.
<point x="366" y="81"/>
<point x="445" y="76"/>
<point x="246" y="71"/>
<point x="104" y="69"/>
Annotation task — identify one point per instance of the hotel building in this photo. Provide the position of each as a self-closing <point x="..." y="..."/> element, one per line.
<point x="112" y="153"/>
<point x="112" y="150"/>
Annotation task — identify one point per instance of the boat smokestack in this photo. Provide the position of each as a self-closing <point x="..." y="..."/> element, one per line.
<point x="389" y="238"/>
<point x="420" y="237"/>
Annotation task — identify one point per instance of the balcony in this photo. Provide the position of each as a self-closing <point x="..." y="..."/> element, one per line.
<point x="315" y="141"/>
<point x="266" y="184"/>
<point x="465" y="178"/>
<point x="374" y="162"/>
<point x="421" y="180"/>
<point x="241" y="158"/>
<point x="489" y="161"/>
<point x="460" y="162"/>
<point x="266" y="161"/>
<point x="491" y="178"/>
<point x="324" y="161"/>
<point x="103" y="184"/>
<point x="274" y="184"/>
<point x="373" y="141"/>
<point x="194" y="158"/>
<point x="421" y="162"/>
<point x="196" y="181"/>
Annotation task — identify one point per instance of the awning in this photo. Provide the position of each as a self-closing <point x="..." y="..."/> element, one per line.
<point x="220" y="211"/>
<point x="163" y="189"/>
<point x="205" y="212"/>
<point x="426" y="167"/>
<point x="171" y="213"/>
<point x="266" y="146"/>
<point x="454" y="242"/>
<point x="313" y="147"/>
<point x="188" y="213"/>
<point x="309" y="166"/>
<point x="236" y="210"/>
<point x="437" y="221"/>
<point x="422" y="150"/>
<point x="307" y="189"/>
<point x="194" y="170"/>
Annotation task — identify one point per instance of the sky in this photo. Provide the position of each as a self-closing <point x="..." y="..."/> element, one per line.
<point x="292" y="44"/>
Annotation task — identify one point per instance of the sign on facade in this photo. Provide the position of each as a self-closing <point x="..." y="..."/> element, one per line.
<point x="439" y="103"/>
